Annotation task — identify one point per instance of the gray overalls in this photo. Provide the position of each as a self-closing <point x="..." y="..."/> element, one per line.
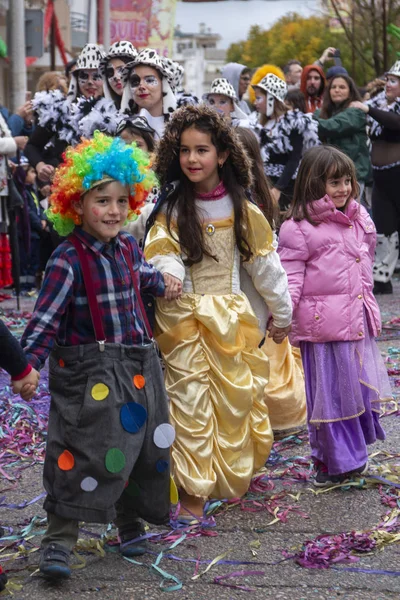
<point x="108" y="434"/>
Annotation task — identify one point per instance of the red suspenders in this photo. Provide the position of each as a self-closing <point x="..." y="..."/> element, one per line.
<point x="91" y="294"/>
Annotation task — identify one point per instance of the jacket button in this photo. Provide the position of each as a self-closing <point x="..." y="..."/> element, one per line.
<point x="360" y="333"/>
<point x="350" y="226"/>
<point x="359" y="296"/>
<point x="357" y="260"/>
<point x="316" y="317"/>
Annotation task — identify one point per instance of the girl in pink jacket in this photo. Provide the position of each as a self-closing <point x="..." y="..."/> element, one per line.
<point x="327" y="248"/>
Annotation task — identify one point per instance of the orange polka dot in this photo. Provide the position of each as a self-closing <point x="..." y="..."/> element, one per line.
<point x="139" y="382"/>
<point x="66" y="461"/>
<point x="61" y="363"/>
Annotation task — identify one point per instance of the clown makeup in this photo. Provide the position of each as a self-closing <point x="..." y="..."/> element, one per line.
<point x="222" y="104"/>
<point x="270" y="105"/>
<point x="90" y="83"/>
<point x="146" y="85"/>
<point x="392" y="88"/>
<point x="114" y="75"/>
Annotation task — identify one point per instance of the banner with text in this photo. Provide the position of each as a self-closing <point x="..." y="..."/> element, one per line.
<point x="142" y="22"/>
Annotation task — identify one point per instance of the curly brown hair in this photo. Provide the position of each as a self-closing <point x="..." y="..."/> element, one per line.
<point x="235" y="174"/>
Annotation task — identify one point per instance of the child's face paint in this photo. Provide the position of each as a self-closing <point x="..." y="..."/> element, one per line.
<point x="222" y="104"/>
<point x="198" y="159"/>
<point x="104" y="210"/>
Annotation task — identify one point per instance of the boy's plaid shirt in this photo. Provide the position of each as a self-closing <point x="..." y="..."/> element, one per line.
<point x="62" y="311"/>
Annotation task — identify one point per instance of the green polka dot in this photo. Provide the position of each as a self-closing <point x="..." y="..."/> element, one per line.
<point x="115" y="460"/>
<point x="132" y="489"/>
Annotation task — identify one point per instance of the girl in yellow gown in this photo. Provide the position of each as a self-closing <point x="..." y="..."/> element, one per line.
<point x="204" y="229"/>
<point x="285" y="393"/>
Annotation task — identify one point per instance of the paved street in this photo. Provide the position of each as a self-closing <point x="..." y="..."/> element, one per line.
<point x="254" y="547"/>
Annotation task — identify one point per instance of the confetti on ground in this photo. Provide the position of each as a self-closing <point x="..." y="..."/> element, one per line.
<point x="275" y="491"/>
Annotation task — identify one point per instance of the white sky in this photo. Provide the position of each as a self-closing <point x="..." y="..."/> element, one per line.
<point x="232" y="19"/>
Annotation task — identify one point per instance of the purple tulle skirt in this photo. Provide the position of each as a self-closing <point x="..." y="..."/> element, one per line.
<point x="345" y="381"/>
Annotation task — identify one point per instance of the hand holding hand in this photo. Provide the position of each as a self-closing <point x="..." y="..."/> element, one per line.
<point x="26" y="387"/>
<point x="278" y="334"/>
<point x="173" y="287"/>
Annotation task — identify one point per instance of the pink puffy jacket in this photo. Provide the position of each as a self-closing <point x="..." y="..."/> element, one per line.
<point x="329" y="267"/>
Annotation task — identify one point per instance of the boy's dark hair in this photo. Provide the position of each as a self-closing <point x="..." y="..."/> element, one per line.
<point x="317" y="166"/>
<point x="286" y="68"/>
<point x="296" y="99"/>
<point x="328" y="108"/>
<point x="235" y="174"/>
<point x="260" y="188"/>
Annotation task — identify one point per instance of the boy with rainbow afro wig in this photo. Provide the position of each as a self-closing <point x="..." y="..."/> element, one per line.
<point x="107" y="455"/>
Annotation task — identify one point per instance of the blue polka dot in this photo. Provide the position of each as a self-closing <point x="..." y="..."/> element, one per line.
<point x="162" y="465"/>
<point x="133" y="416"/>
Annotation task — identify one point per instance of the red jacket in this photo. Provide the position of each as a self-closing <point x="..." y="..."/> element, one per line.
<point x="313" y="102"/>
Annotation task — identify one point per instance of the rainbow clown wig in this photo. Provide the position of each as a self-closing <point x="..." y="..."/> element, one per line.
<point x="86" y="166"/>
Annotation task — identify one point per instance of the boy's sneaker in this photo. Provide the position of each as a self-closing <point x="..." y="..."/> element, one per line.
<point x="130" y="542"/>
<point x="323" y="479"/>
<point x="54" y="561"/>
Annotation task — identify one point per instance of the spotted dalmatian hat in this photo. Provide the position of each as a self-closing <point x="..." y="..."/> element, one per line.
<point x="123" y="50"/>
<point x="89" y="58"/>
<point x="177" y="73"/>
<point x="151" y="58"/>
<point x="273" y="85"/>
<point x="224" y="88"/>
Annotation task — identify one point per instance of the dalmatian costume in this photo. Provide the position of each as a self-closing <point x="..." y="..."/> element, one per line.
<point x="222" y="87"/>
<point x="284" y="139"/>
<point x="123" y="50"/>
<point x="151" y="58"/>
<point x="63" y="116"/>
<point x="89" y="58"/>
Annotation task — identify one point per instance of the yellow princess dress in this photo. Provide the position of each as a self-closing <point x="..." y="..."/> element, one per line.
<point x="215" y="372"/>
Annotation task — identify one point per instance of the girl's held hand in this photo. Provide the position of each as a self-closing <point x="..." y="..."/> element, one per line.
<point x="26" y="387"/>
<point x="278" y="334"/>
<point x="173" y="287"/>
